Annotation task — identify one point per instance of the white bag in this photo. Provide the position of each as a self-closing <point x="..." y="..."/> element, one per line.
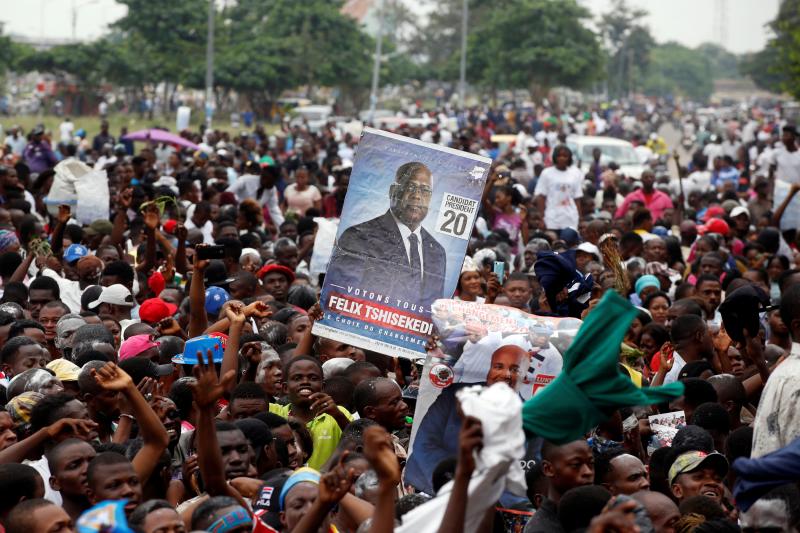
<point x="82" y="188"/>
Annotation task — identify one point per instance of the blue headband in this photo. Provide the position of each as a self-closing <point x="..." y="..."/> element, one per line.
<point x="301" y="475"/>
<point x="232" y="520"/>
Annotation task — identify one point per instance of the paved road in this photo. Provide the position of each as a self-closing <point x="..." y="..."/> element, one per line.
<point x="673" y="139"/>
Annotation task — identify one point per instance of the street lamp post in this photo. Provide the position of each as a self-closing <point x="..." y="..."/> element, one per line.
<point x="210" y="64"/>
<point x="376" y="68"/>
<point x="462" y="80"/>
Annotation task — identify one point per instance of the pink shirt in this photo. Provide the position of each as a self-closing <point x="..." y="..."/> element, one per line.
<point x="658" y="203"/>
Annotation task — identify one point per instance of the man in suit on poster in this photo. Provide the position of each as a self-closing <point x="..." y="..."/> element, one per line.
<point x="393" y="255"/>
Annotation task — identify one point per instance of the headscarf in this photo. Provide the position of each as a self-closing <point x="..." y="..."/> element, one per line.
<point x="648" y="280"/>
<point x="20" y="407"/>
<point x="8" y="240"/>
<point x="590" y="387"/>
<point x="301" y="475"/>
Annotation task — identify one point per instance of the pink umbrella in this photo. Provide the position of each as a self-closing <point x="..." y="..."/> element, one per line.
<point x="160" y="136"/>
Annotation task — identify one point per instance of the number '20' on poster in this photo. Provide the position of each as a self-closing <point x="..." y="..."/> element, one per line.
<point x="405" y="225"/>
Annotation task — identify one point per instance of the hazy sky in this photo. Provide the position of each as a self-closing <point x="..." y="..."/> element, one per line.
<point x="689" y="22"/>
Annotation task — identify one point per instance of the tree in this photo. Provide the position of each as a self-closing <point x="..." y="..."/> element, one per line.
<point x="628" y="43"/>
<point x="536" y="45"/>
<point x="167" y="38"/>
<point x="724" y="64"/>
<point x="264" y="48"/>
<point x="676" y="70"/>
<point x="764" y="69"/>
<point x="786" y="46"/>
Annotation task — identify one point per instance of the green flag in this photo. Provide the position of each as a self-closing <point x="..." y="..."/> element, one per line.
<point x="590" y="387"/>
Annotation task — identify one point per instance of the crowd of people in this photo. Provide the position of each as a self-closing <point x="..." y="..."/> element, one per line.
<point x="159" y="372"/>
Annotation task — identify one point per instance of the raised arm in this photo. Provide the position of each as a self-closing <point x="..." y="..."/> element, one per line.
<point x="470" y="439"/>
<point x="379" y="451"/>
<point x="198" y="320"/>
<point x="207" y="390"/>
<point x="57" y="243"/>
<point x="27" y="448"/>
<point x="181" y="264"/>
<point x="113" y="378"/>
<point x="230" y="359"/>
<point x="333" y="486"/>
<point x="121" y="217"/>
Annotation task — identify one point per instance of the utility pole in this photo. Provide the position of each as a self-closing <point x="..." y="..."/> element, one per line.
<point x="376" y="68"/>
<point x="462" y="80"/>
<point x="210" y="65"/>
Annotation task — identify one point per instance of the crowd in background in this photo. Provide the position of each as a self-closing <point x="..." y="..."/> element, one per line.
<point x="137" y="366"/>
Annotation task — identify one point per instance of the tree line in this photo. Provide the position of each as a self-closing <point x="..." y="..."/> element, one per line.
<point x="266" y="47"/>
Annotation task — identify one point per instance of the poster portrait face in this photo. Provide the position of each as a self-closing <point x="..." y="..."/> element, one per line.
<point x="411" y="193"/>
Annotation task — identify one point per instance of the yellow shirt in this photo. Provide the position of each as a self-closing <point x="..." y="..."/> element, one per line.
<point x="325" y="433"/>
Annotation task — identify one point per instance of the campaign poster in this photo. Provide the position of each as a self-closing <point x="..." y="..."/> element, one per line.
<point x="401" y="241"/>
<point x="478" y="344"/>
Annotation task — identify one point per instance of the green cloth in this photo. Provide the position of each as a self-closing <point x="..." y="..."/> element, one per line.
<point x="590" y="387"/>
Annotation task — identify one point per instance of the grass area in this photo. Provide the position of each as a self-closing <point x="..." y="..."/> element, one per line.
<point x="116" y="121"/>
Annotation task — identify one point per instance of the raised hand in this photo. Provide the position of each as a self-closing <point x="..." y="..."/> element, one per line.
<point x="181" y="232"/>
<point x="665" y="357"/>
<point x="252" y="352"/>
<point x="209" y="388"/>
<point x="334" y="484"/>
<point x="379" y="451"/>
<point x="616" y="519"/>
<point x="322" y="403"/>
<point x="125" y="198"/>
<point x="235" y="313"/>
<point x="71" y="426"/>
<point x="64" y="214"/>
<point x="112" y="378"/>
<point x="152" y="218"/>
<point x="315" y="313"/>
<point x="200" y="264"/>
<point x="258" y="309"/>
<point x="169" y="326"/>
<point x="470" y="439"/>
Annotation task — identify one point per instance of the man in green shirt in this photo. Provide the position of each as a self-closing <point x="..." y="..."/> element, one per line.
<point x="324" y="419"/>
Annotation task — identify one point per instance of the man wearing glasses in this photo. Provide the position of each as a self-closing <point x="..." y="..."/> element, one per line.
<point x="393" y="255"/>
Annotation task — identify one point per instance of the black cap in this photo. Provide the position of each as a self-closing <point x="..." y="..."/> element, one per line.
<point x="740" y="311"/>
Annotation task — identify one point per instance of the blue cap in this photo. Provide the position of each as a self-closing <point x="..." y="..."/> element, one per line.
<point x="661" y="231"/>
<point x="215" y="299"/>
<point x="75" y="252"/>
<point x="201" y="344"/>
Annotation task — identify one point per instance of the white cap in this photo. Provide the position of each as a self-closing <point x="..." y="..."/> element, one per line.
<point x="115" y="294"/>
<point x="739" y="210"/>
<point x="589" y="248"/>
<point x="469" y="265"/>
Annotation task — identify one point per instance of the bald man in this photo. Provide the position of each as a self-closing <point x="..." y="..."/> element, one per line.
<point x="437" y="437"/>
<point x="662" y="510"/>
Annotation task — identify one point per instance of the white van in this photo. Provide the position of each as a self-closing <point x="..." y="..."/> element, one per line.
<point x="617" y="150"/>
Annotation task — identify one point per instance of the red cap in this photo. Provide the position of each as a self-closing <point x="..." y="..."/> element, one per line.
<point x="156" y="282"/>
<point x="715" y="225"/>
<point x="169" y="226"/>
<point x="266" y="269"/>
<point x="713" y="212"/>
<point x="154" y="310"/>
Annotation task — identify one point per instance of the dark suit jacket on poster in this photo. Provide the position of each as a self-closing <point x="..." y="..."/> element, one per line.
<point x="372" y="256"/>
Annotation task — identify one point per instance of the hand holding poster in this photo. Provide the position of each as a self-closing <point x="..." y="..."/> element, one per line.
<point x="479" y="344"/>
<point x="396" y="253"/>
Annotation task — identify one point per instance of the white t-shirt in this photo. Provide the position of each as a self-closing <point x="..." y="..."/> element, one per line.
<point x="301" y="201"/>
<point x="560" y="188"/>
<point x="66" y="128"/>
<point x="788" y="164"/>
